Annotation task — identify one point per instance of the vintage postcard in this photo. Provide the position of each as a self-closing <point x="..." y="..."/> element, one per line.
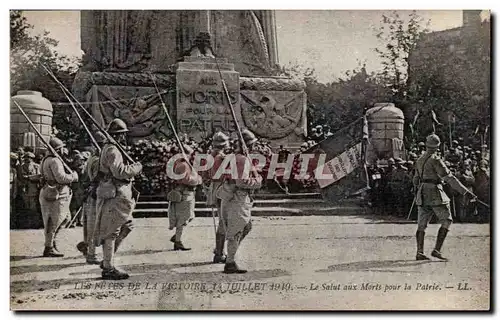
<point x="250" y="160"/>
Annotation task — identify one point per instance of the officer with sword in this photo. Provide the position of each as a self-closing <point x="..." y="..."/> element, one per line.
<point x="431" y="199"/>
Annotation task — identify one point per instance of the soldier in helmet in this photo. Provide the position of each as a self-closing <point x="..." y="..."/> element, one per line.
<point x="55" y="197"/>
<point x="30" y="179"/>
<point x="91" y="181"/>
<point x="181" y="210"/>
<point x="431" y="199"/>
<point x="236" y="201"/>
<point x="220" y="142"/>
<point x="114" y="199"/>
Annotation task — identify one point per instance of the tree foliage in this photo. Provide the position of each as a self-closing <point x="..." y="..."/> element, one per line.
<point x="28" y="52"/>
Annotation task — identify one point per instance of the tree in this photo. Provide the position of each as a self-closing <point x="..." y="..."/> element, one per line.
<point x="398" y="38"/>
<point x="28" y="52"/>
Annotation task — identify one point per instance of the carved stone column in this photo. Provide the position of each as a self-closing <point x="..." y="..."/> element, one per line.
<point x="269" y="26"/>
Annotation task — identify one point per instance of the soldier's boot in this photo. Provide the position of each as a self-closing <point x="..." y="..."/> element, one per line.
<point x="232" y="248"/>
<point x="439" y="244"/>
<point x="420" y="246"/>
<point x="124" y="232"/>
<point x="179" y="246"/>
<point x="82" y="247"/>
<point x="232" y="267"/>
<point x="50" y="252"/>
<point x="109" y="272"/>
<point x="219" y="256"/>
<point x="172" y="239"/>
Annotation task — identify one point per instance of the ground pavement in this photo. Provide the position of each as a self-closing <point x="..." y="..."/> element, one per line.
<point x="329" y="263"/>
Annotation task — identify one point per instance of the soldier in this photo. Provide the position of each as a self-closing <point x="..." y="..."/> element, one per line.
<point x="90" y="183"/>
<point x="115" y="200"/>
<point x="30" y="172"/>
<point x="78" y="164"/>
<point x="55" y="197"/>
<point x="482" y="189"/>
<point x="13" y="187"/>
<point x="236" y="201"/>
<point x="430" y="172"/>
<point x="181" y="206"/>
<point x="421" y="148"/>
<point x="220" y="142"/>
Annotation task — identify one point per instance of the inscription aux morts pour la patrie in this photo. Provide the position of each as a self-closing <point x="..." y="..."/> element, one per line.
<point x="205" y="108"/>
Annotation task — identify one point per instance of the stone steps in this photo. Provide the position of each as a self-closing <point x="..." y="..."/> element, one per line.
<point x="299" y="204"/>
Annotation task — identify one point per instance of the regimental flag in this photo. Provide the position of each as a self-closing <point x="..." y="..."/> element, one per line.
<point x="344" y="168"/>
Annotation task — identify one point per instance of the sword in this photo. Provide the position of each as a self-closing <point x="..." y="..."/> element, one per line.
<point x="74" y="218"/>
<point x="411" y="208"/>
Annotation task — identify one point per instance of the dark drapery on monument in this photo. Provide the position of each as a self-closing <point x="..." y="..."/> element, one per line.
<point x="117" y="40"/>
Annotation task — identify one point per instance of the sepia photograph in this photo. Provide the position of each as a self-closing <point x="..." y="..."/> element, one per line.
<point x="250" y="160"/>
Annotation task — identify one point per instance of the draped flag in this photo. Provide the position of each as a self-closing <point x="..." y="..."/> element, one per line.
<point x="343" y="172"/>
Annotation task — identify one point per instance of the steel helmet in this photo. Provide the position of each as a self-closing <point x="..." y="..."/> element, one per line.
<point x="117" y="126"/>
<point x="432" y="141"/>
<point x="56" y="143"/>
<point x="220" y="140"/>
<point x="398" y="160"/>
<point x="391" y="161"/>
<point x="248" y="136"/>
<point x="421" y="144"/>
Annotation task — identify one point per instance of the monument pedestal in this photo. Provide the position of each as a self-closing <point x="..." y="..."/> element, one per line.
<point x="202" y="105"/>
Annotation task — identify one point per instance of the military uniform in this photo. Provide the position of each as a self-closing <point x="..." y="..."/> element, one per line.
<point x="90" y="173"/>
<point x="220" y="141"/>
<point x="181" y="211"/>
<point x="236" y="203"/>
<point x="114" y="201"/>
<point x="54" y="198"/>
<point x="431" y="198"/>
<point x="30" y="175"/>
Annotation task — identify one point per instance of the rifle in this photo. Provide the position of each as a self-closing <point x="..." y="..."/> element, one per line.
<point x="77" y="114"/>
<point x="94" y="122"/>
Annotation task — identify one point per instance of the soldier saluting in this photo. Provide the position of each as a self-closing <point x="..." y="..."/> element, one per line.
<point x="431" y="198"/>
<point x="115" y="201"/>
<point x="55" y="196"/>
<point x="236" y="201"/>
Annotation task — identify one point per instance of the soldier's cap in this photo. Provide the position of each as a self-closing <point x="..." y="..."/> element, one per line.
<point x="30" y="155"/>
<point x="14" y="156"/>
<point x="220" y="140"/>
<point x="56" y="143"/>
<point x="410" y="163"/>
<point x="459" y="147"/>
<point x="249" y="137"/>
<point x="455" y="142"/>
<point x="485" y="146"/>
<point x="319" y="127"/>
<point x="421" y="144"/>
<point x="313" y="129"/>
<point x="478" y="152"/>
<point x="117" y="126"/>
<point x="432" y="141"/>
<point x="398" y="160"/>
<point x="391" y="160"/>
